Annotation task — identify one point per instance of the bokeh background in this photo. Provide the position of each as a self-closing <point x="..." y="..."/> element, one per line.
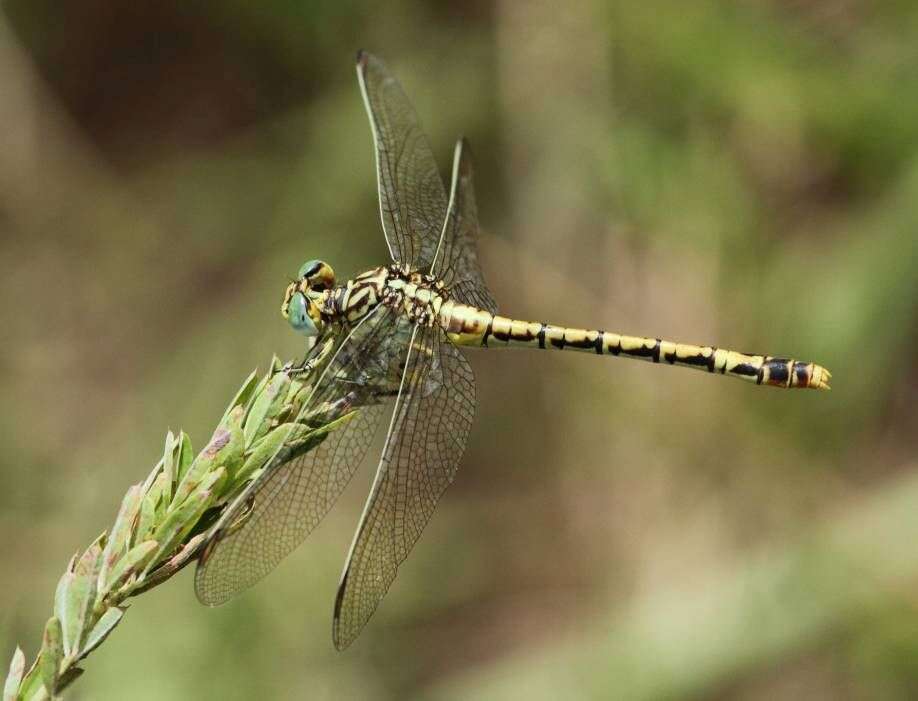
<point x="737" y="173"/>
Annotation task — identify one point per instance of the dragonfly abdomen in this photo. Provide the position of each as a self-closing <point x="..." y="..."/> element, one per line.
<point x="468" y="326"/>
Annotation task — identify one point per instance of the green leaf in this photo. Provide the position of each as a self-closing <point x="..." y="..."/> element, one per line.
<point x="243" y="395"/>
<point x="14" y="678"/>
<point x="121" y="532"/>
<point x="265" y="407"/>
<point x="78" y="602"/>
<point x="185" y="457"/>
<point x="272" y="370"/>
<point x="225" y="448"/>
<point x="91" y="560"/>
<point x="297" y="392"/>
<point x="310" y="438"/>
<point x="152" y="508"/>
<point x="52" y="654"/>
<point x="32" y="688"/>
<point x="262" y="451"/>
<point x="105" y="625"/>
<point x="294" y="404"/>
<point x="146" y="521"/>
<point x="207" y="460"/>
<point x="234" y="452"/>
<point x="296" y="388"/>
<point x="62" y="600"/>
<point x="169" y="466"/>
<point x="181" y="520"/>
<point x="133" y="562"/>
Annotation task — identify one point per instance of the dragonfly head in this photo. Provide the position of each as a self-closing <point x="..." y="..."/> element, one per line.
<point x="301" y="301"/>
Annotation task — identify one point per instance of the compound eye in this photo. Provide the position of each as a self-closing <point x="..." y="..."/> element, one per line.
<point x="309" y="268"/>
<point x="298" y="316"/>
<point x="318" y="275"/>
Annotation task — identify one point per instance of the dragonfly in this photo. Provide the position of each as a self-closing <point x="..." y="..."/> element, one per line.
<point x="395" y="332"/>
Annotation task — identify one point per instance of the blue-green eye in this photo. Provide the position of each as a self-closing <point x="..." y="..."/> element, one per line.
<point x="309" y="268"/>
<point x="298" y="316"/>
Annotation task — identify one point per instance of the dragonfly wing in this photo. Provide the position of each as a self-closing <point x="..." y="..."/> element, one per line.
<point x="293" y="494"/>
<point x="412" y="199"/>
<point x="456" y="259"/>
<point x="426" y="439"/>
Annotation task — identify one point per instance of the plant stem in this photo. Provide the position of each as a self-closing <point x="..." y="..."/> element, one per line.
<point x="162" y="525"/>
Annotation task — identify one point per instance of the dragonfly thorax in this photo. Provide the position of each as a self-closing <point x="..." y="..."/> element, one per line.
<point x="417" y="295"/>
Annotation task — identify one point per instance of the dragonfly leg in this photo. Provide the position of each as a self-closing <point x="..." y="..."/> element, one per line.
<point x="285" y="368"/>
<point x="312" y="360"/>
<point x="243" y="517"/>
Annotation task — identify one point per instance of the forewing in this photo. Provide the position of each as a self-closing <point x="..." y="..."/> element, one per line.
<point x="291" y="497"/>
<point x="412" y="199"/>
<point x="426" y="439"/>
<point x="456" y="260"/>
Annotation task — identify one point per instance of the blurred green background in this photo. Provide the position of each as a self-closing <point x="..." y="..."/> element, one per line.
<point x="737" y="173"/>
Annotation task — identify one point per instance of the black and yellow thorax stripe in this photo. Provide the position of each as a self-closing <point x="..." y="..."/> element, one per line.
<point x="417" y="295"/>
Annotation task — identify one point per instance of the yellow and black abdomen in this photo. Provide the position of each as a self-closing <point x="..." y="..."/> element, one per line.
<point x="468" y="326"/>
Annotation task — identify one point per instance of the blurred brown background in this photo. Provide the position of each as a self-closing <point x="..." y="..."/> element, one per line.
<point x="737" y="173"/>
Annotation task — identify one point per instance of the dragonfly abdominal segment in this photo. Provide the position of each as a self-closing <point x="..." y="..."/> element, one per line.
<point x="468" y="326"/>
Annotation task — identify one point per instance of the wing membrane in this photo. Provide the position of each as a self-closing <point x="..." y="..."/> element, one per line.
<point x="426" y="439"/>
<point x="412" y="199"/>
<point x="422" y="228"/>
<point x="456" y="260"/>
<point x="293" y="495"/>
